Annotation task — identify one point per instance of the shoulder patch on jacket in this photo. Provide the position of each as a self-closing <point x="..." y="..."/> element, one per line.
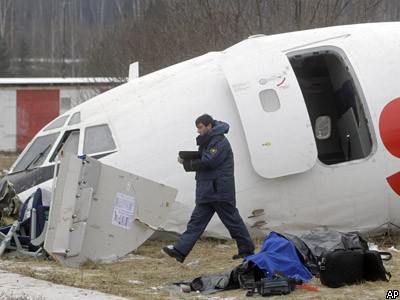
<point x="213" y="150"/>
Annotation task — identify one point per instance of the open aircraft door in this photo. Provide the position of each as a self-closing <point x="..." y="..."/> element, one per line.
<point x="273" y="113"/>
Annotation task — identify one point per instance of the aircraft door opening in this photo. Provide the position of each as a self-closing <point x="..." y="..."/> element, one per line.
<point x="336" y="111"/>
<point x="272" y="112"/>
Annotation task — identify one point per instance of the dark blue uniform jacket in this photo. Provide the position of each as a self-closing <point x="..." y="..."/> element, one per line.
<point x="215" y="169"/>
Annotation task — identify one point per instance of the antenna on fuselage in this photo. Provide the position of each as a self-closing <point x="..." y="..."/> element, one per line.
<point x="133" y="71"/>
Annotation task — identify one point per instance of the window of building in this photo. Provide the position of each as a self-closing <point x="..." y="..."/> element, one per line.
<point x="65" y="104"/>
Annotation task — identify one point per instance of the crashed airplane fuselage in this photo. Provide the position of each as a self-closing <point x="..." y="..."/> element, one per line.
<point x="313" y="129"/>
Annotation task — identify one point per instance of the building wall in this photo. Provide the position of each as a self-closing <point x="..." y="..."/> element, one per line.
<point x="8" y="120"/>
<point x="73" y="97"/>
<point x="25" y="110"/>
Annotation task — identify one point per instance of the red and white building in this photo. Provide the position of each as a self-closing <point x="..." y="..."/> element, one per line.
<point x="28" y="104"/>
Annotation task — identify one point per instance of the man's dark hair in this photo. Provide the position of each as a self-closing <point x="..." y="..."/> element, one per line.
<point x="205" y="120"/>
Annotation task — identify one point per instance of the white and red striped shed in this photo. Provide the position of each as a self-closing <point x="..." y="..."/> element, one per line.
<point x="28" y="104"/>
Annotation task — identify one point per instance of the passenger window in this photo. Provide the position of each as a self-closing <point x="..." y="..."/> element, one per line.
<point x="269" y="100"/>
<point x="37" y="152"/>
<point x="98" y="139"/>
<point x="69" y="143"/>
<point x="323" y="127"/>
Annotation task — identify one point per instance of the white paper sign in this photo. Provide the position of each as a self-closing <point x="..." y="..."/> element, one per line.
<point x="124" y="208"/>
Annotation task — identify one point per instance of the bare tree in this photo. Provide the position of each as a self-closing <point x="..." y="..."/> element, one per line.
<point x="4" y="9"/>
<point x="111" y="34"/>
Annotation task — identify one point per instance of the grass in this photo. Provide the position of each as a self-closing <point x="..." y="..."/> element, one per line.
<point x="149" y="274"/>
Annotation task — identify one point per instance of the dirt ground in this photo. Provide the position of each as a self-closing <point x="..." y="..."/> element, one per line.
<point x="149" y="274"/>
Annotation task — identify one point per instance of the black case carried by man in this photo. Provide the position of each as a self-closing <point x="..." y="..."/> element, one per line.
<point x="374" y="269"/>
<point x="341" y="267"/>
<point x="189" y="154"/>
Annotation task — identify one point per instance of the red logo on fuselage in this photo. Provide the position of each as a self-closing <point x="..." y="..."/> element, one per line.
<point x="389" y="127"/>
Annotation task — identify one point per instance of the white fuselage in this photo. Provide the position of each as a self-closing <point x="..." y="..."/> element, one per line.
<point x="277" y="170"/>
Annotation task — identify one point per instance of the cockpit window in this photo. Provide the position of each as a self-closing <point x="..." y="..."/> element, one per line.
<point x="68" y="143"/>
<point x="37" y="152"/>
<point x="72" y="143"/>
<point x="57" y="123"/>
<point x="98" y="139"/>
<point x="75" y="119"/>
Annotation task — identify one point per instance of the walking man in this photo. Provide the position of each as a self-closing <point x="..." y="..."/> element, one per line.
<point x="215" y="190"/>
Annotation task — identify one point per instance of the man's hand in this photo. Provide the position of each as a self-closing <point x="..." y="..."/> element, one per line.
<point x="180" y="160"/>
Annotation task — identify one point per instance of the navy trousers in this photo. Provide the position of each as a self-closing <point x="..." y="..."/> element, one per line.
<point x="202" y="215"/>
